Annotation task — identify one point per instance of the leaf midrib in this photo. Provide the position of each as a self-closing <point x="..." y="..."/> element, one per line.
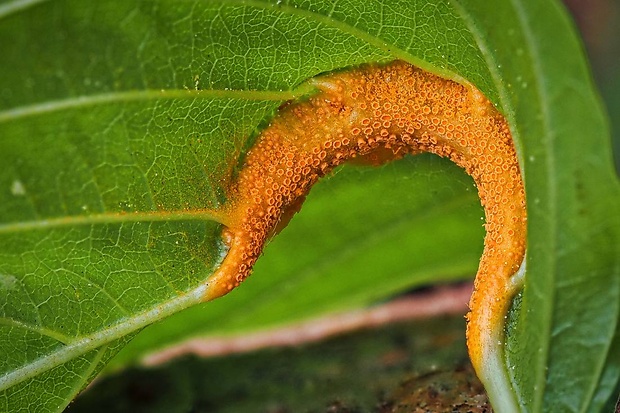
<point x="53" y="334"/>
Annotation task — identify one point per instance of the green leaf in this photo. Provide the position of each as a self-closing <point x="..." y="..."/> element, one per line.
<point x="121" y="125"/>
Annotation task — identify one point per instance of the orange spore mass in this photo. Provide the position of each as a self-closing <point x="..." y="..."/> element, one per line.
<point x="379" y="113"/>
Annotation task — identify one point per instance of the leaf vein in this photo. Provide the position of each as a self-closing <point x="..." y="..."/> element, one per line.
<point x="140" y="95"/>
<point x="11" y="322"/>
<point x="111" y="218"/>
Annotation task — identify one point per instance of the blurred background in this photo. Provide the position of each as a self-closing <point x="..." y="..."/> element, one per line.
<point x="599" y="23"/>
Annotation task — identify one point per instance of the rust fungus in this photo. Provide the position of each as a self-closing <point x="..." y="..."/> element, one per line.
<point x="379" y="113"/>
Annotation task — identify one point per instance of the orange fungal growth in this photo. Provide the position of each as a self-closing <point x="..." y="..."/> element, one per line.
<point x="376" y="114"/>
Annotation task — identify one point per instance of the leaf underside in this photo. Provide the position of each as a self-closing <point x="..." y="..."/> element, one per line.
<point x="122" y="125"/>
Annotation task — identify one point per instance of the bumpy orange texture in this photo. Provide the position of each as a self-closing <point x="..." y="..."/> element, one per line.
<point x="381" y="113"/>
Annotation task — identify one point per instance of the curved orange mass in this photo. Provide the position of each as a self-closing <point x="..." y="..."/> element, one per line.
<point x="380" y="113"/>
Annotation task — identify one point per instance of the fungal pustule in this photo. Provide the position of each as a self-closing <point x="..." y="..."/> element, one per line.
<point x="382" y="112"/>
